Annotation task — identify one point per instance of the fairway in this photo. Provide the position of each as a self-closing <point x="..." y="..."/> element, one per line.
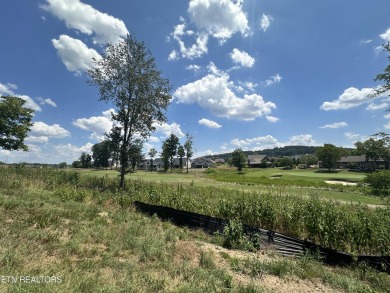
<point x="304" y="183"/>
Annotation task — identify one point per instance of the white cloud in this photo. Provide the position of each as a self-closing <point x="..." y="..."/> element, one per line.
<point x="7" y="90"/>
<point x="242" y="58"/>
<point x="69" y="152"/>
<point x="75" y="55"/>
<point x="374" y="107"/>
<point x="272" y="118"/>
<point x="255" y="143"/>
<point x="351" y="135"/>
<point x="209" y="123"/>
<point x="219" y="18"/>
<point x="335" y="125"/>
<point x="386" y="35"/>
<point x="351" y="97"/>
<point x="302" y="139"/>
<point x="214" y="92"/>
<point x="168" y="129"/>
<point x="196" y="50"/>
<point x="174" y="55"/>
<point x="43" y="101"/>
<point x="193" y="67"/>
<point x="273" y="79"/>
<point x="98" y="125"/>
<point x="41" y="129"/>
<point x="84" y="18"/>
<point x="265" y="21"/>
<point x="37" y="139"/>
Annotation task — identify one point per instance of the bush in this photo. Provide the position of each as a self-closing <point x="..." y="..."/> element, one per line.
<point x="379" y="182"/>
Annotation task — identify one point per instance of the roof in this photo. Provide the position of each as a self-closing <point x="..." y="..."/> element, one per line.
<point x="356" y="159"/>
<point x="257" y="159"/>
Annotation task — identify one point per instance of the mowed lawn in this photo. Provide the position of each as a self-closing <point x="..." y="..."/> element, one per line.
<point x="296" y="182"/>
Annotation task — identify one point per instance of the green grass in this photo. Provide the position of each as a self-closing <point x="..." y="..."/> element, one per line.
<point x="293" y="182"/>
<point x="91" y="239"/>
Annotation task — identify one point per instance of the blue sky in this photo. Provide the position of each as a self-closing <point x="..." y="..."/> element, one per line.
<point x="253" y="74"/>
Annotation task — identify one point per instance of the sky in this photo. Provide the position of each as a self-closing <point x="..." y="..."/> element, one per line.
<point x="249" y="74"/>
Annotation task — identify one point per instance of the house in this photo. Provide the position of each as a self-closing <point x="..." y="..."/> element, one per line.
<point x="158" y="164"/>
<point x="176" y="163"/>
<point x="259" y="161"/>
<point x="201" y="163"/>
<point x="360" y="162"/>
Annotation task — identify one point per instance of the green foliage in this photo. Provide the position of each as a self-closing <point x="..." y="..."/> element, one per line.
<point x="188" y="148"/>
<point x="329" y="155"/>
<point x="127" y="76"/>
<point x="379" y="182"/>
<point x="63" y="165"/>
<point x="101" y="154"/>
<point x="239" y="159"/>
<point x="15" y="122"/>
<point x="375" y="148"/>
<point x="169" y="151"/>
<point x="385" y="76"/>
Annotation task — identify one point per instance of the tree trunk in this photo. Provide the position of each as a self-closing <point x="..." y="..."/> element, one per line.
<point x="187" y="165"/>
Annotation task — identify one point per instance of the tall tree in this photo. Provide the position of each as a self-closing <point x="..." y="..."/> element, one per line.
<point x="15" y="122"/>
<point x="188" y="148"/>
<point x="239" y="159"/>
<point x="329" y="154"/>
<point x="127" y="76"/>
<point x="385" y="77"/>
<point x="114" y="143"/>
<point x="152" y="153"/>
<point x="181" y="153"/>
<point x="86" y="160"/>
<point x="170" y="148"/>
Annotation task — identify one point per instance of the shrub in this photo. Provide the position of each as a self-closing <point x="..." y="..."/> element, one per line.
<point x="379" y="182"/>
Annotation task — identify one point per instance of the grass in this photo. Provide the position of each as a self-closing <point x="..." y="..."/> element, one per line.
<point x="95" y="242"/>
<point x="294" y="182"/>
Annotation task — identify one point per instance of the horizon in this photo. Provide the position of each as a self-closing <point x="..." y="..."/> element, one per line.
<point x="246" y="74"/>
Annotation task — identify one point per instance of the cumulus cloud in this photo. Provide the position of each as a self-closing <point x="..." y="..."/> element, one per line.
<point x="168" y="129"/>
<point x="273" y="79"/>
<point x="350" y="98"/>
<point x="196" y="50"/>
<point x="265" y="21"/>
<point x="386" y="35"/>
<point x="219" y="18"/>
<point x="7" y="90"/>
<point x="42" y="129"/>
<point x="69" y="152"/>
<point x="75" y="55"/>
<point x="242" y="58"/>
<point x="193" y="67"/>
<point x="215" y="93"/>
<point x="302" y="139"/>
<point x="335" y="125"/>
<point x="98" y="125"/>
<point x="84" y="18"/>
<point x="209" y="123"/>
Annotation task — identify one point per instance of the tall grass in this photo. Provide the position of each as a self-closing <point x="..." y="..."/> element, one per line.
<point x="353" y="228"/>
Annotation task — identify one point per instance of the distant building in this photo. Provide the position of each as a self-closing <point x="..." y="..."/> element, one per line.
<point x="360" y="162"/>
<point x="259" y="161"/>
<point x="201" y="163"/>
<point x="158" y="164"/>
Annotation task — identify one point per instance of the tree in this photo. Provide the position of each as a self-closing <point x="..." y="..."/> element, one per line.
<point x="181" y="153"/>
<point x="63" y="165"/>
<point x="152" y="153"/>
<point x="135" y="153"/>
<point x="385" y="77"/>
<point x="188" y="148"/>
<point x="86" y="160"/>
<point x="239" y="159"/>
<point x="329" y="154"/>
<point x="101" y="154"/>
<point x="114" y="141"/>
<point x="127" y="76"/>
<point x="15" y="122"/>
<point x="76" y="164"/>
<point x="170" y="148"/>
<point x="375" y="148"/>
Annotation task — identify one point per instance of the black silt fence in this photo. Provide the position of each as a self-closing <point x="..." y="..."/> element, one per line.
<point x="286" y="245"/>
